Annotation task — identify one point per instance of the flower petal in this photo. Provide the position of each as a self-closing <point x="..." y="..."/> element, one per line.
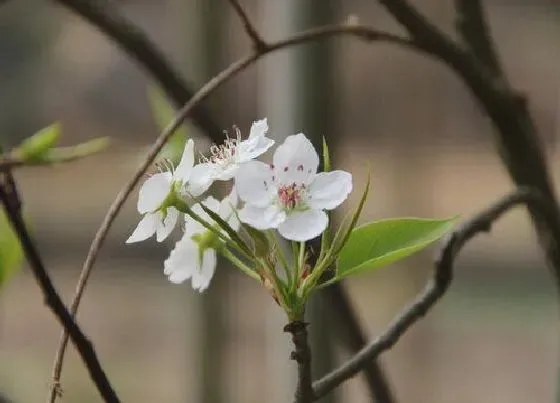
<point x="262" y="217"/>
<point x="154" y="191"/>
<point x="184" y="169"/>
<point x="227" y="209"/>
<point x="182" y="261"/>
<point x="201" y="277"/>
<point x="304" y="225"/>
<point x="164" y="228"/>
<point x="295" y="160"/>
<point x="259" y="128"/>
<point x="145" y="228"/>
<point x="259" y="147"/>
<point x="202" y="176"/>
<point x="329" y="189"/>
<point x="254" y="183"/>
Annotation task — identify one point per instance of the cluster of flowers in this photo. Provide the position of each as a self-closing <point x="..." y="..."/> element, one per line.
<point x="288" y="196"/>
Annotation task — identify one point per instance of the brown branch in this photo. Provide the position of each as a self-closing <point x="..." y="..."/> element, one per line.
<point x="435" y="288"/>
<point x="301" y="355"/>
<point x="259" y="43"/>
<point x="12" y="206"/>
<point x="235" y="68"/>
<point x="471" y="24"/>
<point x="139" y="47"/>
<point x="515" y="135"/>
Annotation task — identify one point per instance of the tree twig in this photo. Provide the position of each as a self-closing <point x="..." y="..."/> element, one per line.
<point x="435" y="288"/>
<point x="471" y="24"/>
<point x="258" y="42"/>
<point x="12" y="206"/>
<point x="362" y="32"/>
<point x="515" y="136"/>
<point x="302" y="356"/>
<point x="139" y="47"/>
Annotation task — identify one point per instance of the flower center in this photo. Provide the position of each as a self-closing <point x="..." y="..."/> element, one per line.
<point x="226" y="152"/>
<point x="290" y="196"/>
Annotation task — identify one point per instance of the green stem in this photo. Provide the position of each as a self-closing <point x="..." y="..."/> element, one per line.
<point x="225" y="252"/>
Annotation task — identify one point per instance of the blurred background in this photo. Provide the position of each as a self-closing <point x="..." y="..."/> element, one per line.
<point x="492" y="338"/>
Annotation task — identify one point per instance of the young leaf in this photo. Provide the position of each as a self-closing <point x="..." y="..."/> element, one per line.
<point x="10" y="250"/>
<point x="164" y="113"/>
<point x="38" y="146"/>
<point x="326" y="157"/>
<point x="380" y="243"/>
<point x="82" y="150"/>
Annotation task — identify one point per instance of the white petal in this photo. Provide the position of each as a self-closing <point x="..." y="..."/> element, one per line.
<point x="145" y="228"/>
<point x="202" y="176"/>
<point x="184" y="169"/>
<point x="295" y="160"/>
<point x="154" y="191"/>
<point x="201" y="278"/>
<point x="254" y="183"/>
<point x="256" y="149"/>
<point x="304" y="225"/>
<point x="329" y="189"/>
<point x="164" y="228"/>
<point x="227" y="209"/>
<point x="259" y="128"/>
<point x="227" y="172"/>
<point x="182" y="261"/>
<point x="262" y="217"/>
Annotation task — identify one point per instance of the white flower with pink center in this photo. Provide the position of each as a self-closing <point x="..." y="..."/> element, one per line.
<point x="290" y="195"/>
<point x="226" y="159"/>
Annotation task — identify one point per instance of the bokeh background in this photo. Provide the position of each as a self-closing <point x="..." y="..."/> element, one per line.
<point x="412" y="123"/>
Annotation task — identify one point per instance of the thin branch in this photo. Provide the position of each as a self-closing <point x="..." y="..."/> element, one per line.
<point x="301" y="355"/>
<point x="346" y="322"/>
<point x="434" y="290"/>
<point x="258" y="42"/>
<point x="235" y="68"/>
<point x="12" y="206"/>
<point x="515" y="136"/>
<point x="472" y="25"/>
<point x="139" y="47"/>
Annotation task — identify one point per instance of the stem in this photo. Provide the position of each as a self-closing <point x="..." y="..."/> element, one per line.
<point x="301" y="355"/>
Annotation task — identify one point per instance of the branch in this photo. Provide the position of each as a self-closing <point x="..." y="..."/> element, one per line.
<point x="12" y="206"/>
<point x="259" y="43"/>
<point x="472" y="25"/>
<point x="235" y="68"/>
<point x="134" y="43"/>
<point x="347" y="323"/>
<point x="516" y="136"/>
<point x="434" y="290"/>
<point x="302" y="355"/>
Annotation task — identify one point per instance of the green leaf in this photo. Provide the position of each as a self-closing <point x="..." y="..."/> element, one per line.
<point x="82" y="150"/>
<point x="379" y="243"/>
<point x="38" y="146"/>
<point x="326" y="157"/>
<point x="11" y="254"/>
<point x="164" y="113"/>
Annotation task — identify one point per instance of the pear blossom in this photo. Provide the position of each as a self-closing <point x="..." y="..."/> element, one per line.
<point x="160" y="218"/>
<point x="290" y="195"/>
<point x="194" y="256"/>
<point x="227" y="158"/>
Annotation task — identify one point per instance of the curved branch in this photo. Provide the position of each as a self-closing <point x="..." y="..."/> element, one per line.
<point x="435" y="288"/>
<point x="134" y="43"/>
<point x="12" y="204"/>
<point x="362" y="32"/>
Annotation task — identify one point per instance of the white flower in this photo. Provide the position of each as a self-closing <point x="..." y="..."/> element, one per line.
<point x="227" y="158"/>
<point x="158" y="218"/>
<point x="194" y="255"/>
<point x="290" y="195"/>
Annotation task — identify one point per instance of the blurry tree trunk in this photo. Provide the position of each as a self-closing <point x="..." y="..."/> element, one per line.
<point x="276" y="94"/>
<point x="203" y="36"/>
<point x="315" y="106"/>
<point x="297" y="96"/>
